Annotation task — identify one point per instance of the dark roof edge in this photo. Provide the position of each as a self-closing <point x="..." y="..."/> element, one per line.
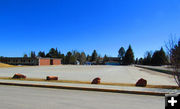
<point x="30" y="57"/>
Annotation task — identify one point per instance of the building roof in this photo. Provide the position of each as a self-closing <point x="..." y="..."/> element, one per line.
<point x="28" y="58"/>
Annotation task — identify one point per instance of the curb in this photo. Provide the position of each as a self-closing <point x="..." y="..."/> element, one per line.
<point x="155" y="69"/>
<point x="85" y="89"/>
<point x="88" y="82"/>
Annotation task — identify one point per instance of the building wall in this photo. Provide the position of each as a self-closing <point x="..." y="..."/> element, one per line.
<point x="56" y="61"/>
<point x="19" y="61"/>
<point x="43" y="61"/>
<point x="30" y="61"/>
<point x="48" y="61"/>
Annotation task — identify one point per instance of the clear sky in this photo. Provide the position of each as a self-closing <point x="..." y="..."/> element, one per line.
<point x="85" y="25"/>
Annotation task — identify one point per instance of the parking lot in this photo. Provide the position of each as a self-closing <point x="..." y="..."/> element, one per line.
<point x="112" y="74"/>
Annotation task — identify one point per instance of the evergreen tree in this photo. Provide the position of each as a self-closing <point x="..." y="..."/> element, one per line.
<point x="147" y="58"/>
<point x="164" y="58"/>
<point x="59" y="55"/>
<point x="98" y="60"/>
<point x="175" y="55"/>
<point x="140" y="61"/>
<point x="25" y="56"/>
<point x="94" y="56"/>
<point x="63" y="59"/>
<point x="53" y="53"/>
<point x="47" y="55"/>
<point x="77" y="55"/>
<point x="33" y="54"/>
<point x="136" y="62"/>
<point x="121" y="54"/>
<point x="88" y="58"/>
<point x="129" y="56"/>
<point x="67" y="58"/>
<point x="105" y="59"/>
<point x="70" y="59"/>
<point x="41" y="54"/>
<point x="159" y="58"/>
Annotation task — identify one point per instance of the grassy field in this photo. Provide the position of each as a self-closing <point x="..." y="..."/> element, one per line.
<point x="2" y="65"/>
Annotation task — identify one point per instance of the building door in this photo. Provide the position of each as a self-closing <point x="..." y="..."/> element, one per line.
<point x="51" y="61"/>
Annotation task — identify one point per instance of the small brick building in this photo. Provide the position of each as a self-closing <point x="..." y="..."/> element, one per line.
<point x="30" y="61"/>
<point x="49" y="61"/>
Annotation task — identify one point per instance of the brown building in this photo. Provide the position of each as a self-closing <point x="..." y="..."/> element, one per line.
<point x="30" y="61"/>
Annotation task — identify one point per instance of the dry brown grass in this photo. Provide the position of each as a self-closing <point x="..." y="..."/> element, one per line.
<point x="2" y="65"/>
<point x="88" y="82"/>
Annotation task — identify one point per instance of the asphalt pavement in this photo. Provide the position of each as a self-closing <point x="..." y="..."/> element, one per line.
<point x="18" y="97"/>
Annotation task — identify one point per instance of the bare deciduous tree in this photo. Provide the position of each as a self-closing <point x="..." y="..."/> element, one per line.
<point x="173" y="48"/>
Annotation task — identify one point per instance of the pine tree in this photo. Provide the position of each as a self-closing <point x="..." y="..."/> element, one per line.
<point x="63" y="58"/>
<point x="147" y="58"/>
<point x="136" y="61"/>
<point x="33" y="54"/>
<point x="77" y="55"/>
<point x="67" y="58"/>
<point x="70" y="59"/>
<point x="121" y="54"/>
<point x="88" y="58"/>
<point x="105" y="59"/>
<point x="53" y="53"/>
<point x="25" y="56"/>
<point x="159" y="58"/>
<point x="175" y="55"/>
<point x="94" y="56"/>
<point x="98" y="60"/>
<point x="129" y="56"/>
<point x="140" y="61"/>
<point x="41" y="54"/>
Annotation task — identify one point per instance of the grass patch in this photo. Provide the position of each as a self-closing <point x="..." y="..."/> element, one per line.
<point x="2" y="65"/>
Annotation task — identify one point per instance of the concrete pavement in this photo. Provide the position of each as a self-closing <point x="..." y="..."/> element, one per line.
<point x="108" y="74"/>
<point x="15" y="97"/>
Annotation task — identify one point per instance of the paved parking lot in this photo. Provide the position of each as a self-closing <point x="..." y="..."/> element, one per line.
<point x="14" y="97"/>
<point x="115" y="74"/>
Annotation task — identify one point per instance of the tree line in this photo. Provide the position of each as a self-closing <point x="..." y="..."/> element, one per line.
<point x="125" y="57"/>
<point x="72" y="57"/>
<point x="75" y="57"/>
<point x="158" y="58"/>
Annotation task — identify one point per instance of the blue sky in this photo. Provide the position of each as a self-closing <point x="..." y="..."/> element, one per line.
<point x="85" y="25"/>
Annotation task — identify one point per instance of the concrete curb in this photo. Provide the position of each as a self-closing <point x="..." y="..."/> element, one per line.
<point x="155" y="69"/>
<point x="85" y="89"/>
<point x="88" y="82"/>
